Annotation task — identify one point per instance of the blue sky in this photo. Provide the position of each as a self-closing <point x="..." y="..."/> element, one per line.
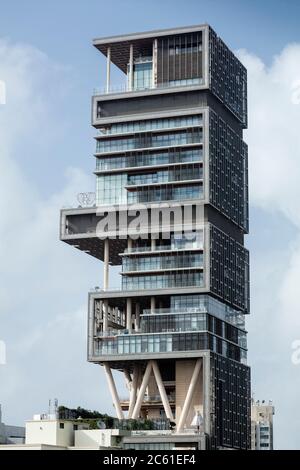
<point x="46" y="146"/>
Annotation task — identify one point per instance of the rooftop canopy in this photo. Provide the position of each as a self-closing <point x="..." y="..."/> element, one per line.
<point x="141" y="42"/>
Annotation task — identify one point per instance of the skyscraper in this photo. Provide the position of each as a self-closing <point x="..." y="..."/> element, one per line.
<point x="171" y="207"/>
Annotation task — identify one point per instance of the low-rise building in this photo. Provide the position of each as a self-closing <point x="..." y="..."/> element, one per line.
<point x="262" y="425"/>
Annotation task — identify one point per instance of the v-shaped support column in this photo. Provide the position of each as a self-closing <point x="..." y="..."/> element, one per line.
<point x="152" y="365"/>
<point x="113" y="391"/>
<point x="162" y="391"/>
<point x="189" y="395"/>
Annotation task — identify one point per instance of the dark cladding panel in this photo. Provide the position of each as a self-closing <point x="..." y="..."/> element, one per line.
<point x="228" y="167"/>
<point x="228" y="77"/>
<point x="230" y="404"/>
<point x="229" y="269"/>
<point x="148" y="104"/>
<point x="179" y="58"/>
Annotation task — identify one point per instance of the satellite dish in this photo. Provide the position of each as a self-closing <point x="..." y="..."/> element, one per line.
<point x="101" y="424"/>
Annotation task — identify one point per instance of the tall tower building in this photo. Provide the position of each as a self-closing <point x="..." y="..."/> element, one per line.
<point x="171" y="208"/>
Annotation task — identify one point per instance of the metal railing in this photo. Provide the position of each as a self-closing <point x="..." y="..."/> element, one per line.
<point x="125" y="88"/>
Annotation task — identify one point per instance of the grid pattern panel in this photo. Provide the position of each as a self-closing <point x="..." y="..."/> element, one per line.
<point x="228" y="178"/>
<point x="229" y="265"/>
<point x="228" y="77"/>
<point x="230" y="404"/>
<point x="179" y="59"/>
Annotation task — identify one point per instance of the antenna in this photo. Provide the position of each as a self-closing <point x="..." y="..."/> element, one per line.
<point x="55" y="407"/>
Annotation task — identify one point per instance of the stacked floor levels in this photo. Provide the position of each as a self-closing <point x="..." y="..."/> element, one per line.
<point x="171" y="208"/>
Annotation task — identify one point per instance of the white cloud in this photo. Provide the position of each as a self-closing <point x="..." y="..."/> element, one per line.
<point x="274" y="172"/>
<point x="273" y="135"/>
<point x="44" y="281"/>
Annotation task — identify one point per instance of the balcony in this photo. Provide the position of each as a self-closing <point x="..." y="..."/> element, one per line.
<point x="157" y="263"/>
<point x="161" y="248"/>
<point x="163" y="281"/>
<point x="152" y="400"/>
<point x="149" y="141"/>
<point x="125" y="88"/>
<point x="168" y="343"/>
<point x="149" y="160"/>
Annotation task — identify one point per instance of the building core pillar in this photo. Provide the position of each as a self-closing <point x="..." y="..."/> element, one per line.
<point x="130" y="84"/>
<point x="129" y="315"/>
<point x="108" y="62"/>
<point x="106" y="264"/>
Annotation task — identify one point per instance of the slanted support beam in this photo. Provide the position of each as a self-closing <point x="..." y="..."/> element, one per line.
<point x="189" y="396"/>
<point x="133" y="390"/>
<point x="162" y="391"/>
<point x="128" y="379"/>
<point x="113" y="391"/>
<point x="141" y="394"/>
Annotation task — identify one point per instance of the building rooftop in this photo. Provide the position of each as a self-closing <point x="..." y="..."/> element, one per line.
<point x="142" y="43"/>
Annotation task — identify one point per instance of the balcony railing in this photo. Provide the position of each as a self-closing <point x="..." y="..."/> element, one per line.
<point x="154" y="159"/>
<point x="124" y="88"/>
<point x="193" y="260"/>
<point x="151" y="398"/>
<point x="145" y="249"/>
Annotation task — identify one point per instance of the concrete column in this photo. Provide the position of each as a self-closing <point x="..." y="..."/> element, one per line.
<point x="133" y="391"/>
<point x="189" y="396"/>
<point x="105" y="315"/>
<point x="137" y="316"/>
<point x="127" y="379"/>
<point x="108" y="62"/>
<point x="113" y="391"/>
<point x="129" y="245"/>
<point x="128" y="315"/>
<point x="141" y="394"/>
<point x="106" y="264"/>
<point x="152" y="308"/>
<point x="154" y="64"/>
<point x="153" y="244"/>
<point x="130" y="81"/>
<point x="162" y="391"/>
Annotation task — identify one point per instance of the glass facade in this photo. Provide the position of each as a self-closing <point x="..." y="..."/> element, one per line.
<point x="182" y="173"/>
<point x="153" y="139"/>
<point x="149" y="263"/>
<point x="189" y="321"/>
<point x="152" y="124"/>
<point x="204" y="303"/>
<point x="149" y="159"/>
<point x="163" y="281"/>
<point x="169" y="342"/>
<point x="142" y="75"/>
<point x="181" y="241"/>
<point x="148" y="445"/>
<point x="170" y="193"/>
<point x="111" y="189"/>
